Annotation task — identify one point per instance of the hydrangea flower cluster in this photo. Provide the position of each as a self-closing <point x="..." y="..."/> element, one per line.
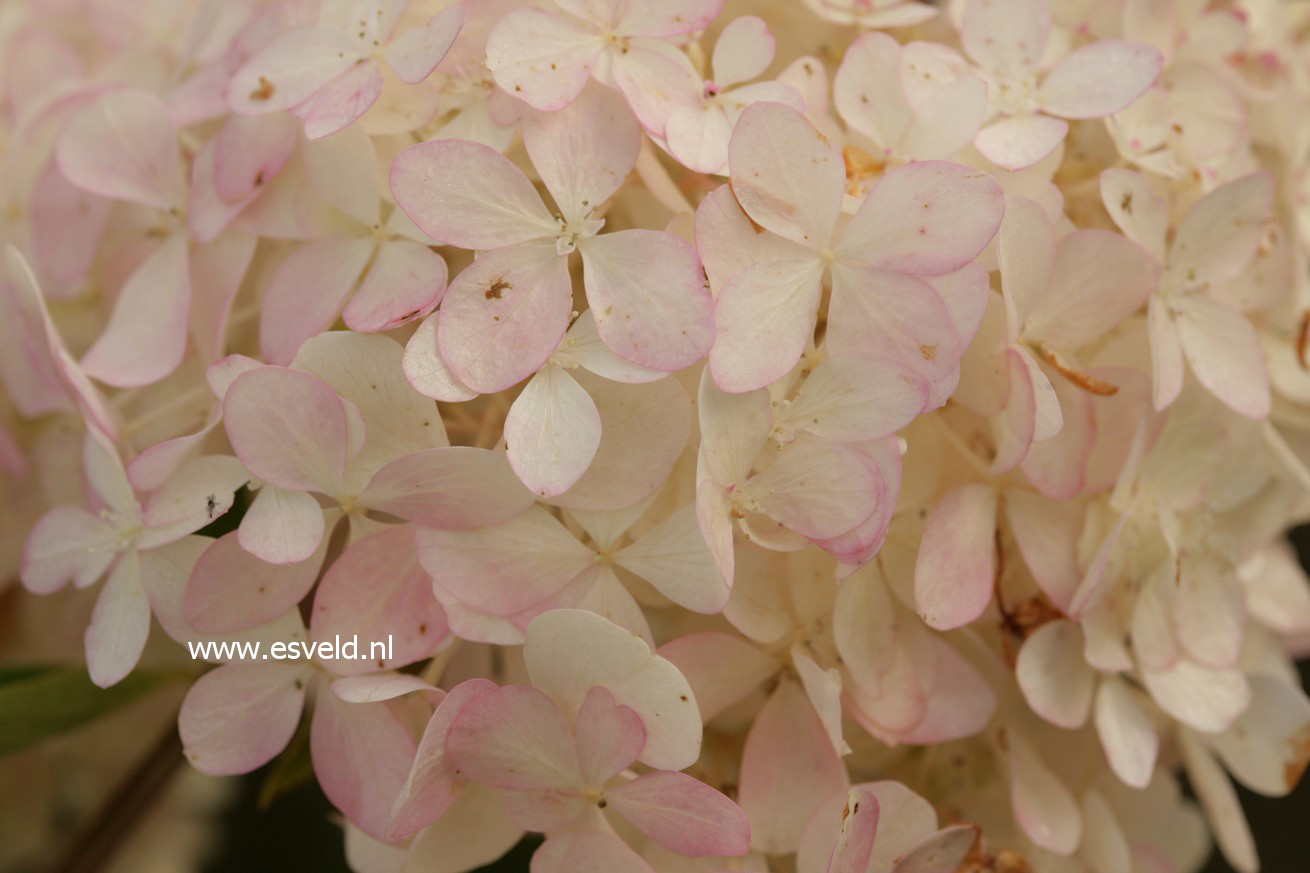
<point x="850" y="436"/>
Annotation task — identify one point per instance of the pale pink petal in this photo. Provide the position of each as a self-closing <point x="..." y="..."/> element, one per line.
<point x="342" y="101"/>
<point x="948" y="121"/>
<point x="733" y="429"/>
<point x="281" y="526"/>
<point x="199" y="491"/>
<point x="504" y="315"/>
<point x="714" y="519"/>
<point x="454" y="487"/>
<point x="722" y="668"/>
<point x="374" y="687"/>
<point x="727" y="242"/>
<point x="1167" y="370"/>
<point x="552" y="431"/>
<point x="823" y="689"/>
<point x="543" y="58"/>
<point x="249" y="152"/>
<point x="649" y="297"/>
<point x="583" y="346"/>
<point x="956" y="569"/>
<point x="120" y="623"/>
<point x="1208" y="610"/>
<point x="508" y="568"/>
<point x="66" y="223"/>
<point x="851" y="399"/>
<point x="468" y="195"/>
<point x="1015" y="428"/>
<point x="418" y="51"/>
<point x="1047" y="532"/>
<point x="609" y="737"/>
<point x="405" y="282"/>
<point x="230" y="589"/>
<point x="1225" y="354"/>
<point x="361" y="754"/>
<point x="764" y="318"/>
<point x="743" y="51"/>
<point x="786" y="176"/>
<point x="289" y="428"/>
<point x="673" y="557"/>
<point x="426" y="371"/>
<point x="669" y="18"/>
<point x="859" y="827"/>
<point x="568" y="650"/>
<point x="875" y="312"/>
<point x="147" y="333"/>
<point x="925" y="218"/>
<point x="1205" y="699"/>
<point x="433" y="783"/>
<point x="788" y="768"/>
<point x="1054" y="678"/>
<point x="1134" y="205"/>
<point x="1099" y="79"/>
<point x="818" y="489"/>
<point x="958" y="703"/>
<point x="643" y="431"/>
<point x="1099" y="279"/>
<point x="683" y="814"/>
<point x="698" y="134"/>
<point x="378" y="593"/>
<point x="1222" y="807"/>
<point x="655" y="78"/>
<point x="343" y="169"/>
<point x="1057" y="466"/>
<point x="306" y="292"/>
<point x="585" y="852"/>
<point x="514" y="737"/>
<point x="1006" y="39"/>
<point x="291" y="69"/>
<point x="1265" y="748"/>
<point x="1043" y="805"/>
<point x="474" y="832"/>
<point x="68" y="544"/>
<point x="238" y="717"/>
<point x="942" y="852"/>
<point x="123" y="145"/>
<point x="584" y="151"/>
<point x="1219" y="236"/>
<point x="1021" y="140"/>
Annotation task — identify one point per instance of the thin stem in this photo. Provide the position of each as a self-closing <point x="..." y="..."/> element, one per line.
<point x="117" y="818"/>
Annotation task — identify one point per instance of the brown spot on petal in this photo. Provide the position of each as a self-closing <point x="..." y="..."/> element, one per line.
<point x="1079" y="379"/>
<point x="497" y="289"/>
<point x="928" y="351"/>
<point x="264" y="91"/>
<point x="1126" y="204"/>
<point x="1295" y="768"/>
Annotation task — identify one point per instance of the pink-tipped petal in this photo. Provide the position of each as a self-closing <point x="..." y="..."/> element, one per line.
<point x="418" y="51"/>
<point x="552" y="431"/>
<point x="649" y="297"/>
<point x="147" y="333"/>
<point x="683" y="814"/>
<point x="786" y="175"/>
<point x="1099" y="79"/>
<point x="926" y="218"/>
<point x="454" y="487"/>
<point x="955" y="572"/>
<point x="238" y="717"/>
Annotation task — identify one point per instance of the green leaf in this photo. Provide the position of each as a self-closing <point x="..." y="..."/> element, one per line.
<point x="293" y="768"/>
<point x="39" y="702"/>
